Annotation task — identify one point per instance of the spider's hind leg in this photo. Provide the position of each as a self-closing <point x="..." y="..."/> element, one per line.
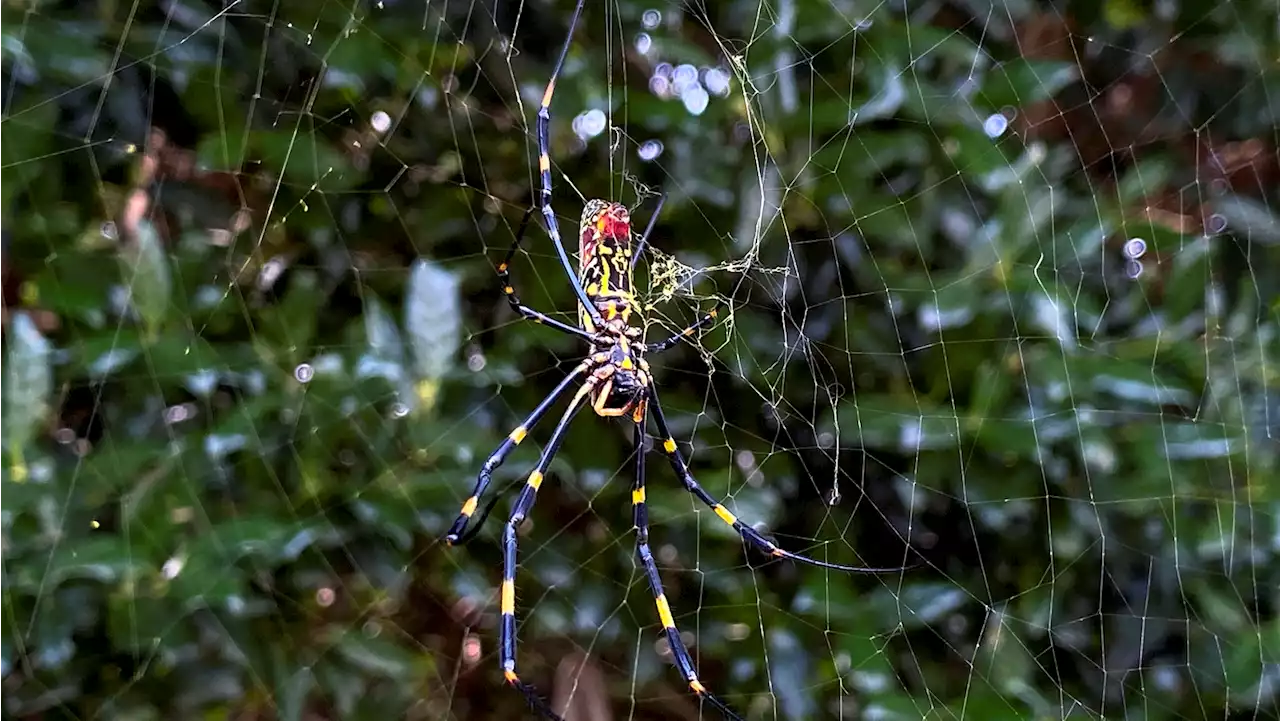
<point x="457" y="532"/>
<point x="683" y="659"/>
<point x="520" y="510"/>
<point x="748" y="534"/>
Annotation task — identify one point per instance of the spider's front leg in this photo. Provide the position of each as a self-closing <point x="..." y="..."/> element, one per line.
<point x="457" y="532"/>
<point x="509" y="289"/>
<point x="705" y="320"/>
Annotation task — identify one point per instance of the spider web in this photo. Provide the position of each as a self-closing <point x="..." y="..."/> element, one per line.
<point x="999" y="290"/>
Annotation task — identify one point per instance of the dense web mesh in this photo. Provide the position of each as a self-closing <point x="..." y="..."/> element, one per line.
<point x="998" y="287"/>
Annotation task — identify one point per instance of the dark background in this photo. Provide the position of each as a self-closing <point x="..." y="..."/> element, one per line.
<point x="1001" y="282"/>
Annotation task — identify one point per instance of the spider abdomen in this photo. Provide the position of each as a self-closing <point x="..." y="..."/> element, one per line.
<point x="604" y="262"/>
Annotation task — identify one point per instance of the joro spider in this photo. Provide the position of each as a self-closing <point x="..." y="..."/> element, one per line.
<point x="615" y="378"/>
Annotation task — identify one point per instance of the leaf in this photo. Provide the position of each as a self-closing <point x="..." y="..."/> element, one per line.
<point x="294" y="682"/>
<point x="103" y="558"/>
<point x="983" y="160"/>
<point x="290" y="325"/>
<point x="791" y="669"/>
<point x="391" y="516"/>
<point x="1253" y="654"/>
<point x="28" y="382"/>
<point x="58" y="51"/>
<point x="433" y="321"/>
<point x="383" y="339"/>
<point x="1145" y="178"/>
<point x="919" y="605"/>
<point x="25" y="139"/>
<point x="1249" y="218"/>
<point x="74" y="286"/>
<point x="206" y="581"/>
<point x="305" y="159"/>
<point x="1052" y="312"/>
<point x="373" y="654"/>
<point x="145" y="270"/>
<point x="899" y="423"/>
<point x="1001" y="655"/>
<point x="1188" y="440"/>
<point x="889" y="92"/>
<point x="1021" y="82"/>
<point x="385" y="357"/>
<point x="954" y="304"/>
<point x="270" y="539"/>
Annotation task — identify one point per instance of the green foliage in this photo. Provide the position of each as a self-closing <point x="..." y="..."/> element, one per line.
<point x="254" y="362"/>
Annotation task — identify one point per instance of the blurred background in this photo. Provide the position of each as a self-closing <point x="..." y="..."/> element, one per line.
<point x="1001" y="286"/>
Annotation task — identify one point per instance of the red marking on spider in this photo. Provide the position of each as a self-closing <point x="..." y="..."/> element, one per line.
<point x="616" y="223"/>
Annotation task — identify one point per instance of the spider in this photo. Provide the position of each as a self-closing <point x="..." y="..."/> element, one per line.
<point x="615" y="381"/>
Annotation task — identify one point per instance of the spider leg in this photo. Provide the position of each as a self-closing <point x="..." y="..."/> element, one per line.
<point x="748" y="533"/>
<point x="644" y="239"/>
<point x="703" y="321"/>
<point x="544" y="170"/>
<point x="504" y="275"/>
<point x="455" y="536"/>
<point x="683" y="660"/>
<point x="521" y="508"/>
<point x="475" y="529"/>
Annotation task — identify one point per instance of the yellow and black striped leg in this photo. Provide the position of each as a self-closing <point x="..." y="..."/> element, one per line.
<point x="544" y="171"/>
<point x="687" y="332"/>
<point x="504" y="275"/>
<point x="683" y="661"/>
<point x="747" y="532"/>
<point x="455" y="534"/>
<point x="524" y="504"/>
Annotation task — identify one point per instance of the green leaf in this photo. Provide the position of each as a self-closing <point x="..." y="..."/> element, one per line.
<point x="920" y="605"/>
<point x="1002" y="656"/>
<point x="145" y="271"/>
<point x="294" y="682"/>
<point x="28" y="384"/>
<point x="1249" y="218"/>
<point x="433" y="322"/>
<point x="58" y="51"/>
<point x="791" y="668"/>
<point x="985" y="161"/>
<point x="305" y="159"/>
<point x="1145" y="178"/>
<point x="1253" y="652"/>
<point x="889" y="91"/>
<point x="386" y="355"/>
<point x="26" y="136"/>
<point x="898" y="423"/>
<point x="383" y="337"/>
<point x="102" y="557"/>
<point x="1020" y="82"/>
<point x="290" y="326"/>
<point x="373" y="654"/>
<point x="271" y="539"/>
<point x="74" y="286"/>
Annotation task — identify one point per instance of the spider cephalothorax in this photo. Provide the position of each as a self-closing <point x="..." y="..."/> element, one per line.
<point x="616" y="380"/>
